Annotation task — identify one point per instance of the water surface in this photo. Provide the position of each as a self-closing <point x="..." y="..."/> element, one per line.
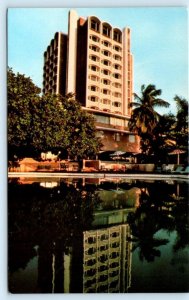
<point x="97" y="236"/>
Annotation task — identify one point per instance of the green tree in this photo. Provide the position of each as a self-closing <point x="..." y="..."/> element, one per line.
<point x="144" y="117"/>
<point x="21" y="92"/>
<point x="163" y="137"/>
<point x="80" y="126"/>
<point x="181" y="128"/>
<point x="60" y="125"/>
<point x="47" y="123"/>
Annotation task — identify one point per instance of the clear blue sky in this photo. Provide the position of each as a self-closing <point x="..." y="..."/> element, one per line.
<point x="159" y="43"/>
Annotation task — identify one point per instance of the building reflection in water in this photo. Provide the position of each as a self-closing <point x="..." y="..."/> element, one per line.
<point x="107" y="260"/>
<point x="80" y="261"/>
<point x="101" y="262"/>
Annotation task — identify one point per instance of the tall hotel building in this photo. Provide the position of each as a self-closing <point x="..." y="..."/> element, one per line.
<point x="94" y="62"/>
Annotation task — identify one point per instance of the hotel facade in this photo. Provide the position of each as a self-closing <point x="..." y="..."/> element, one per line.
<point x="94" y="62"/>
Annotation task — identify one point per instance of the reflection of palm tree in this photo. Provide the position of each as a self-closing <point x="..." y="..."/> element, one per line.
<point x="144" y="224"/>
<point x="143" y="228"/>
<point x="159" y="210"/>
<point x="147" y="246"/>
<point x="180" y="214"/>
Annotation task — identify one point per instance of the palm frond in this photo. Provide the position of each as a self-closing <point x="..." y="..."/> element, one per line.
<point x="160" y="102"/>
<point x="149" y="89"/>
<point x="134" y="104"/>
<point x="155" y="93"/>
<point x="142" y="88"/>
<point x="136" y="97"/>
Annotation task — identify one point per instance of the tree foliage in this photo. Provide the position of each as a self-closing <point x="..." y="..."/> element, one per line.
<point x="21" y="92"/>
<point x="47" y="123"/>
<point x="181" y="126"/>
<point x="144" y="118"/>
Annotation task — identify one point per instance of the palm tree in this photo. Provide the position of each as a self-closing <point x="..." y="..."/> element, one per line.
<point x="144" y="117"/>
<point x="181" y="128"/>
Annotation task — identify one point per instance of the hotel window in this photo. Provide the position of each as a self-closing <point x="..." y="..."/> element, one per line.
<point x="117" y="95"/>
<point x="114" y="255"/>
<point x="105" y="72"/>
<point x="106" y="62"/>
<point x="95" y="25"/>
<point x="93" y="88"/>
<point x="114" y="234"/>
<point x="94" y="48"/>
<point x="90" y="262"/>
<point x="106" y="52"/>
<point x="131" y="138"/>
<point x="106" y="81"/>
<point x="94" y="58"/>
<point x="117" y="57"/>
<point x="94" y="68"/>
<point x="117" y="75"/>
<point x="102" y="119"/>
<point x="117" y="67"/>
<point x="106" y="30"/>
<point x="103" y="258"/>
<point x="93" y="78"/>
<point x="103" y="247"/>
<point x="116" y="121"/>
<point x="117" y="48"/>
<point x="94" y="38"/>
<point x="116" y="104"/>
<point x="117" y="137"/>
<point x="114" y="273"/>
<point x="106" y="43"/>
<point x="93" y="98"/>
<point x="117" y="36"/>
<point x="91" y="251"/>
<point x="106" y="101"/>
<point x="117" y="85"/>
<point x="105" y="92"/>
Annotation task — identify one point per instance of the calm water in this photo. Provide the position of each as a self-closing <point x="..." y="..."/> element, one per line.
<point x="97" y="236"/>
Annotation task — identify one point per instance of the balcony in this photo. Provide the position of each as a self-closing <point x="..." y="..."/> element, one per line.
<point x="122" y="128"/>
<point x="93" y="93"/>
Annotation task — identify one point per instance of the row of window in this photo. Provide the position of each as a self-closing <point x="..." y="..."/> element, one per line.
<point x="96" y="39"/>
<point x="111" y="120"/>
<point x="105" y="52"/>
<point x="105" y="72"/>
<point x="105" y="82"/>
<point x="105" y="62"/>
<point x="101" y="249"/>
<point x="106" y="110"/>
<point x="105" y="101"/>
<point x="103" y="258"/>
<point x="106" y="30"/>
<point x="94" y="88"/>
<point x="97" y="68"/>
<point x="103" y="236"/>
